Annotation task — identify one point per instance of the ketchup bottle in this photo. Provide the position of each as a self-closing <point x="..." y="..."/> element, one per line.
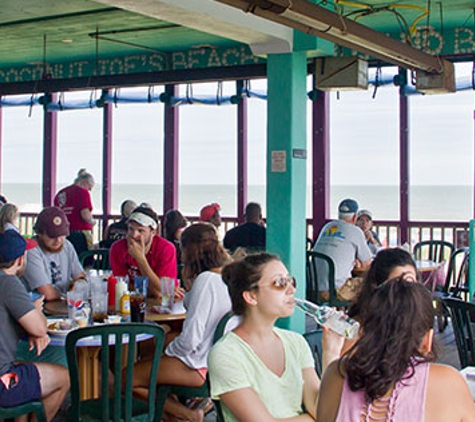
<point x="111" y="282"/>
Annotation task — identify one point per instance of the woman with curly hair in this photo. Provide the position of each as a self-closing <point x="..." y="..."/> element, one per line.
<point x="388" y="375"/>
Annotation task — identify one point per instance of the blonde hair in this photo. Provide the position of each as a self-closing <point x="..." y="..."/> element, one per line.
<point x="84" y="176"/>
<point x="8" y="214"/>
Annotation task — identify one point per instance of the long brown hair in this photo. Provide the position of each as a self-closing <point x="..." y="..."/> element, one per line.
<point x="201" y="250"/>
<point x="397" y="317"/>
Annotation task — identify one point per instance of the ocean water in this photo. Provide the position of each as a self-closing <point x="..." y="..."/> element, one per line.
<point x="427" y="203"/>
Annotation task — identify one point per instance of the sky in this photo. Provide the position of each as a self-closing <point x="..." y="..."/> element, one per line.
<point x="364" y="139"/>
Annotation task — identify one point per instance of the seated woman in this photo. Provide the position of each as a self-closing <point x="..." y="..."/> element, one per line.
<point x="389" y="375"/>
<point x="260" y="372"/>
<point x="185" y="359"/>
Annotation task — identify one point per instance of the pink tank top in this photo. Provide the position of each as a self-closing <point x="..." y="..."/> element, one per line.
<point x="405" y="404"/>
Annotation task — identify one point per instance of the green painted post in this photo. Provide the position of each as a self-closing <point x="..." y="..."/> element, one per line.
<point x="471" y="265"/>
<point x="286" y="168"/>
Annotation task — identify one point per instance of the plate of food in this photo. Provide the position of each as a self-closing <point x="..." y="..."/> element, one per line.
<point x="61" y="327"/>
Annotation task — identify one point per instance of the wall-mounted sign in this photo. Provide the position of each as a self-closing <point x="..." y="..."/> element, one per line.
<point x="278" y="164"/>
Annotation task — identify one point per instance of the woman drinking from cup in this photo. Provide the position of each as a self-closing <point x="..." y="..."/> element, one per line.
<point x="185" y="359"/>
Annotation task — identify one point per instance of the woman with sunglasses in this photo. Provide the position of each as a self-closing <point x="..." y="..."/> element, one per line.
<point x="207" y="301"/>
<point x="389" y="375"/>
<point x="258" y="371"/>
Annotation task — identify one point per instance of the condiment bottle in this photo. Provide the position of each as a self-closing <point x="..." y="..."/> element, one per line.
<point x="125" y="304"/>
<point x="120" y="289"/>
<point x="111" y="285"/>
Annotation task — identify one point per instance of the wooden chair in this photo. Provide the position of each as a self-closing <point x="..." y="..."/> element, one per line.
<point x="118" y="404"/>
<point x="96" y="259"/>
<point x="36" y="407"/>
<point x="455" y="285"/>
<point x="462" y="314"/>
<point x="433" y="250"/>
<point x="313" y="279"/>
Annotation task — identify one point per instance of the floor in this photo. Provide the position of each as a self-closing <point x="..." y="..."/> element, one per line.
<point x="445" y="341"/>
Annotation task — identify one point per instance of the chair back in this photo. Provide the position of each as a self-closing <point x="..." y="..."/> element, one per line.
<point x="433" y="250"/>
<point x="316" y="260"/>
<point x="462" y="314"/>
<point x="309" y="244"/>
<point x="116" y="404"/>
<point x="96" y="259"/>
<point x="314" y="340"/>
<point x="35" y="406"/>
<point x="456" y="283"/>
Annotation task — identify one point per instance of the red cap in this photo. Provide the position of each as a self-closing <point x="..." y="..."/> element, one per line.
<point x="208" y="211"/>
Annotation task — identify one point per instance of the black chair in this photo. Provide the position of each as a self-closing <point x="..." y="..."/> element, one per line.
<point x="433" y="250"/>
<point x="313" y="279"/>
<point x="314" y="340"/>
<point x="462" y="314"/>
<point x="309" y="244"/>
<point x="35" y="406"/>
<point x="119" y="405"/>
<point x="96" y="259"/>
<point x="456" y="285"/>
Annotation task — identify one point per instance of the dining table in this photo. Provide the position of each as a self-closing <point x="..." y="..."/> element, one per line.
<point x="423" y="266"/>
<point x="89" y="348"/>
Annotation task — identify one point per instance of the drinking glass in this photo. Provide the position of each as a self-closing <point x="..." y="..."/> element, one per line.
<point x="137" y="306"/>
<point x="99" y="305"/>
<point x="167" y="286"/>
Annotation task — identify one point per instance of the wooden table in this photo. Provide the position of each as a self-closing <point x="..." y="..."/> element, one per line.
<point x="423" y="266"/>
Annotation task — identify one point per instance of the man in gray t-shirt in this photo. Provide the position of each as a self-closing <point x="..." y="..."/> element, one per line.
<point x="21" y="382"/>
<point x="342" y="241"/>
<point x="54" y="263"/>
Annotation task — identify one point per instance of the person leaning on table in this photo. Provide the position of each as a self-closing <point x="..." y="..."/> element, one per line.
<point x="22" y="382"/>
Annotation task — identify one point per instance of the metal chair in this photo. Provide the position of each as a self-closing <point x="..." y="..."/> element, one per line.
<point x="35" y="406"/>
<point x="96" y="259"/>
<point x="433" y="250"/>
<point x="455" y="285"/>
<point x="462" y="314"/>
<point x="313" y="279"/>
<point x="118" y="404"/>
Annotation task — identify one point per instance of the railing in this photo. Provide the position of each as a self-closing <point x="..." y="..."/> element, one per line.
<point x="388" y="231"/>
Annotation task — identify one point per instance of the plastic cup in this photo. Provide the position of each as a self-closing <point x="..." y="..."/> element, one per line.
<point x="99" y="306"/>
<point x="167" y="286"/>
<point x="137" y="307"/>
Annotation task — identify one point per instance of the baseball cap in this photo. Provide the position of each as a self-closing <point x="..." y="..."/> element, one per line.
<point x="13" y="245"/>
<point x="53" y="222"/>
<point x="365" y="212"/>
<point x="208" y="211"/>
<point x="348" y="206"/>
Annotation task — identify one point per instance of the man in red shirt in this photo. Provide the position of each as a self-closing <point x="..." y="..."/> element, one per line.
<point x="143" y="251"/>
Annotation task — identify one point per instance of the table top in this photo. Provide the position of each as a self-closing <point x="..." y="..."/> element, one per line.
<point x="60" y="308"/>
<point x="421" y="265"/>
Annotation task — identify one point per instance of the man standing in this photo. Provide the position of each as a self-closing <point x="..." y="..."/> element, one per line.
<point x="143" y="251"/>
<point x="54" y="264"/>
<point x="26" y="381"/>
<point x="344" y="243"/>
<point x="210" y="214"/>
<point x="250" y="235"/>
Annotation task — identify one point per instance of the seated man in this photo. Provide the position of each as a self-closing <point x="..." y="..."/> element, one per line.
<point x="210" y="214"/>
<point x="250" y="235"/>
<point x="143" y="252"/>
<point x="22" y="382"/>
<point x="118" y="230"/>
<point x="345" y="243"/>
<point x="54" y="265"/>
<point x="365" y="222"/>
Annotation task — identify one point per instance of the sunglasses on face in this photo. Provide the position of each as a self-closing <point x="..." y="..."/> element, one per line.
<point x="282" y="283"/>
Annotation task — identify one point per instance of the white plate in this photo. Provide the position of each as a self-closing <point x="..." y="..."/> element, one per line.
<point x="57" y="331"/>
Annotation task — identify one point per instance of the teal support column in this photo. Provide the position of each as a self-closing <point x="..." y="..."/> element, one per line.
<point x="471" y="262"/>
<point x="286" y="168"/>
